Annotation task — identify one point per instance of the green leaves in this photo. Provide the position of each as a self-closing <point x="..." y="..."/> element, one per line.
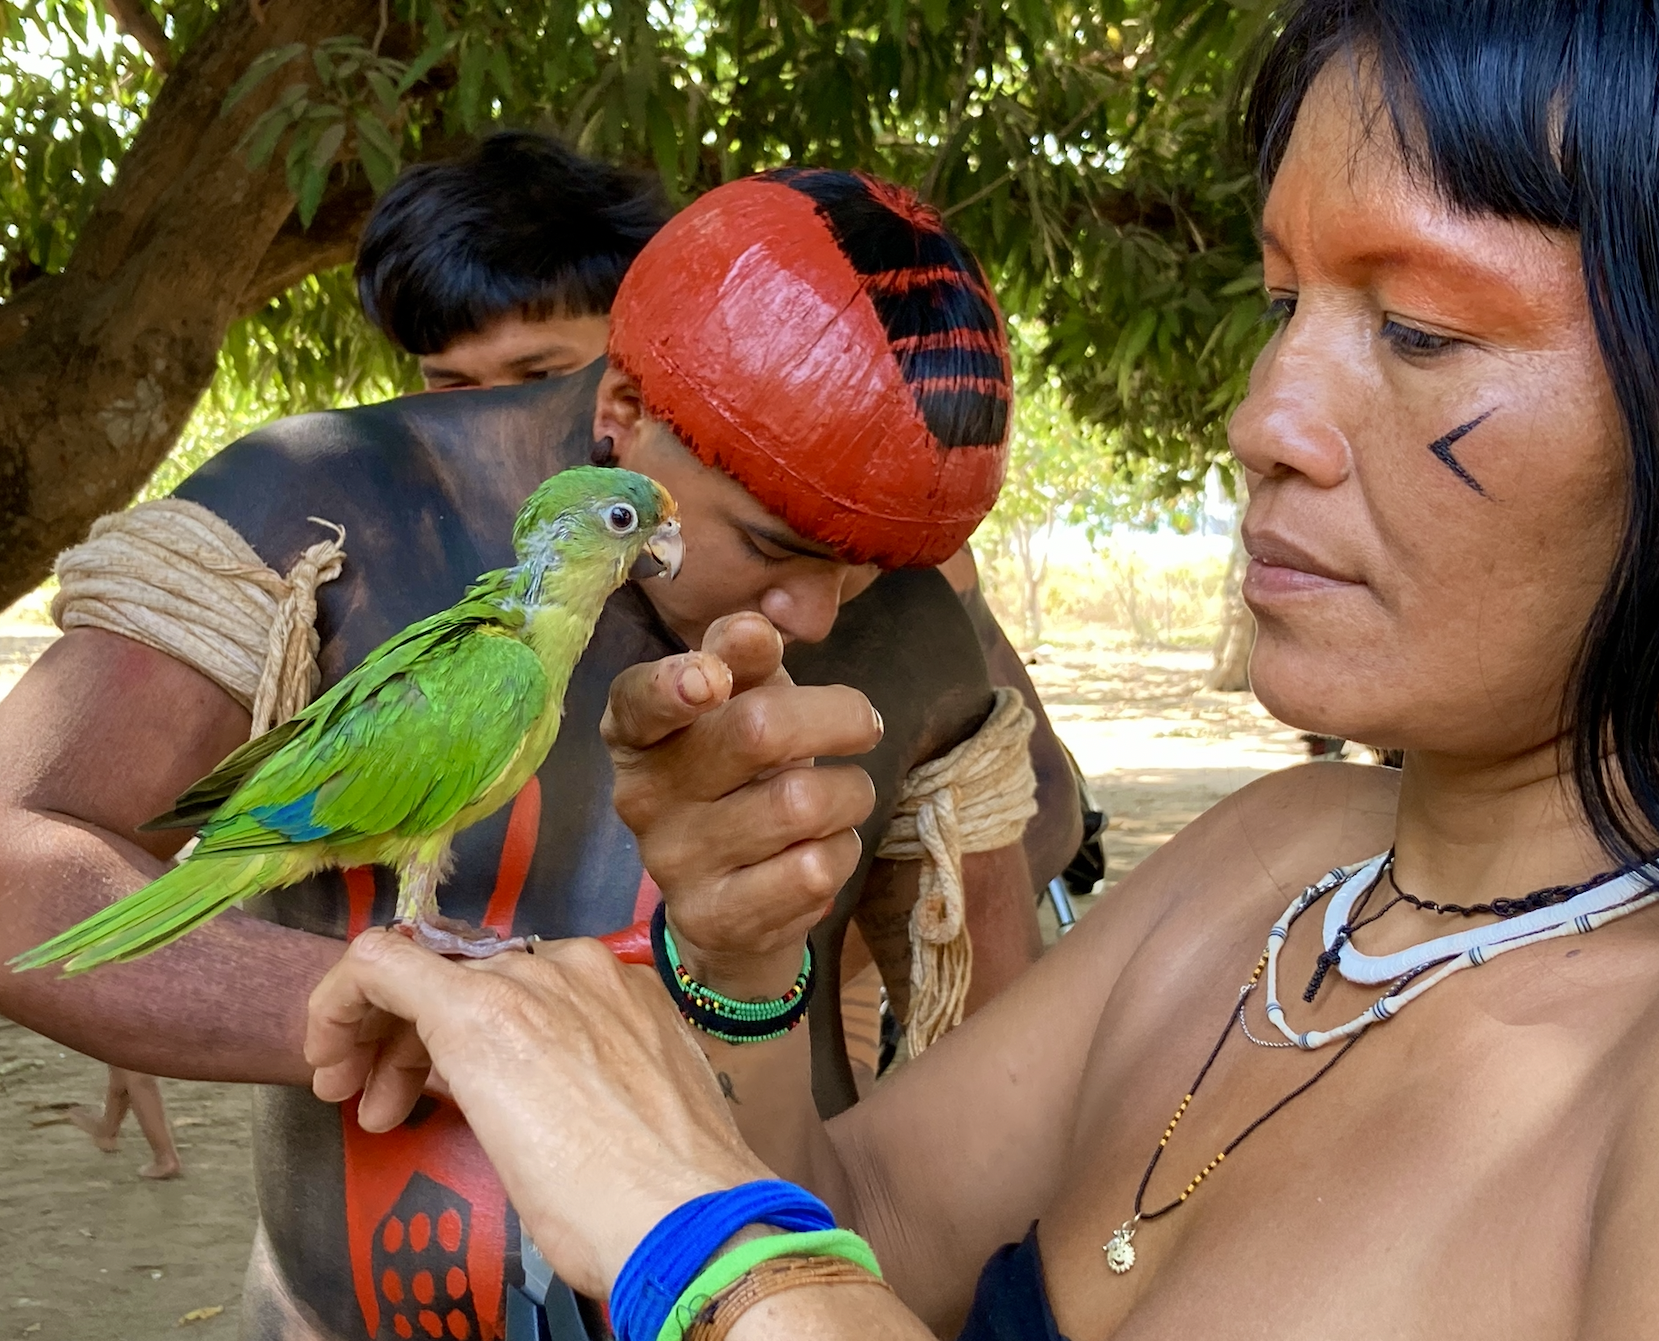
<point x="355" y="93"/>
<point x="264" y="65"/>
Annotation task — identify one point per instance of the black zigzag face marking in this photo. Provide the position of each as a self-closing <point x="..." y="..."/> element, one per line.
<point x="930" y="296"/>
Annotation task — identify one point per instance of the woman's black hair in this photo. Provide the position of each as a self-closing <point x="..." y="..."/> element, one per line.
<point x="520" y="224"/>
<point x="1547" y="112"/>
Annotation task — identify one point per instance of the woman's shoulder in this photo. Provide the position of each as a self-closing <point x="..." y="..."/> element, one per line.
<point x="1249" y="854"/>
<point x="1287" y="828"/>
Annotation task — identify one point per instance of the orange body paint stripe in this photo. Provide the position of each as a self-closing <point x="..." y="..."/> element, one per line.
<point x="359" y="899"/>
<point x="517" y="851"/>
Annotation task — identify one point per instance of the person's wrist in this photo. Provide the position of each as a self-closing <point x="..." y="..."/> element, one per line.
<point x="651" y="1208"/>
<point x="649" y="1291"/>
<point x="746" y="975"/>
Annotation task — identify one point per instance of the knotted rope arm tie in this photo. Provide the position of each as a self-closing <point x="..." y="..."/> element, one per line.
<point x="977" y="798"/>
<point x="174" y="576"/>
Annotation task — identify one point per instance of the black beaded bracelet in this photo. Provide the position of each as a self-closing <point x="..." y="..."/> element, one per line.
<point x="723" y="1017"/>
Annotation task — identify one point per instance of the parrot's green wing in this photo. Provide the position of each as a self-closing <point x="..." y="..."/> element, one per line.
<point x="393" y="657"/>
<point x="400" y="746"/>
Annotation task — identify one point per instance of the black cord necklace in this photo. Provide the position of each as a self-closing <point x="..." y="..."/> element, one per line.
<point x="1504" y="908"/>
<point x="1331" y="954"/>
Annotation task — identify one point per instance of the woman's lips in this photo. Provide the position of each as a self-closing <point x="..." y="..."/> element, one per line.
<point x="1280" y="569"/>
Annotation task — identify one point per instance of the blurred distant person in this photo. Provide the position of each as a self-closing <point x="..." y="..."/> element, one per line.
<point x="140" y="1093"/>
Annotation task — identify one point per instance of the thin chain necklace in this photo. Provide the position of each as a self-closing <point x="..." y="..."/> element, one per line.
<point x="1120" y="1249"/>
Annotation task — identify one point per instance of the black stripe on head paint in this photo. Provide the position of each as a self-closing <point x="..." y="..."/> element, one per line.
<point x="1442" y="449"/>
<point x="931" y="298"/>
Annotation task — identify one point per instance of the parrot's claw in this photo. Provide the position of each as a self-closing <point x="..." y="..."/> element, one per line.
<point x="455" y="939"/>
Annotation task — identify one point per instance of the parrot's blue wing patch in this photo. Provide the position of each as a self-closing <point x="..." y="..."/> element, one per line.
<point x="294" y="820"/>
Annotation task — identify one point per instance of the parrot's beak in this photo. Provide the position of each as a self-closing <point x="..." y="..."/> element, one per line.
<point x="664" y="553"/>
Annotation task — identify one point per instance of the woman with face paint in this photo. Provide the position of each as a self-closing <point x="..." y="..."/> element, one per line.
<point x="1358" y="1054"/>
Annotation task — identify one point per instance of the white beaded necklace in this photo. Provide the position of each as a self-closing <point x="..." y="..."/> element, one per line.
<point x="1445" y="955"/>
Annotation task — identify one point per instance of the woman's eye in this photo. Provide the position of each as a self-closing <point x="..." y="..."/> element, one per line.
<point x="1279" y="310"/>
<point x="621" y="519"/>
<point x="1409" y="341"/>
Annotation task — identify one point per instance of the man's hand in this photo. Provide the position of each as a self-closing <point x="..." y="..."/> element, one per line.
<point x="574" y="1071"/>
<point x="748" y="842"/>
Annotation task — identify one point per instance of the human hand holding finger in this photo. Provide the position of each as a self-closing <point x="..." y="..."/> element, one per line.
<point x="360" y="1034"/>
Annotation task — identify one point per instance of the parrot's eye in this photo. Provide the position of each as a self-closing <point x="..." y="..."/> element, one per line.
<point x="621" y="519"/>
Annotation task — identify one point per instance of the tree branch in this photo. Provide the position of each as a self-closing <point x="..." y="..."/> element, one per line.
<point x="331" y="240"/>
<point x="296" y="252"/>
<point x="132" y="18"/>
<point x="103" y="361"/>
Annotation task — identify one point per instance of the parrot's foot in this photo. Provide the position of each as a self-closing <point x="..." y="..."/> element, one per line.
<point x="456" y="939"/>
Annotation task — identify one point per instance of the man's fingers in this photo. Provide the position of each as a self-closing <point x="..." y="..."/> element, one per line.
<point x="781" y="899"/>
<point x="749" y="644"/>
<point x="760" y="820"/>
<point x="657" y="698"/>
<point x="769" y="727"/>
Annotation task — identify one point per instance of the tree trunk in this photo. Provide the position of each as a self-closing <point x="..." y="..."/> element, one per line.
<point x="1237" y="638"/>
<point x="102" y="364"/>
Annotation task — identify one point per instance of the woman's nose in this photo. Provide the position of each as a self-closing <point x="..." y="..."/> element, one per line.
<point x="1291" y="422"/>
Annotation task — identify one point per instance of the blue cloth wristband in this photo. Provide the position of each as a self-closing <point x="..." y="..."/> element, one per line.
<point x="668" y="1259"/>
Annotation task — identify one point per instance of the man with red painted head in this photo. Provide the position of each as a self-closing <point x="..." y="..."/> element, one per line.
<point x="817" y="370"/>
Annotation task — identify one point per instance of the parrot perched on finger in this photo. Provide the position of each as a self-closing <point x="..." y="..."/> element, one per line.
<point x="437" y="728"/>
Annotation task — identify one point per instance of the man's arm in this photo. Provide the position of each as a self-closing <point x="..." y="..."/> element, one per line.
<point x="100" y="735"/>
<point x="1002" y="922"/>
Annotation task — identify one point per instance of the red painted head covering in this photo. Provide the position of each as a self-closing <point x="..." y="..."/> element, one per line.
<point x="821" y="338"/>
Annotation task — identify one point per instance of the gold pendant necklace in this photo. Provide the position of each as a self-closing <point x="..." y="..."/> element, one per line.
<point x="1120" y="1248"/>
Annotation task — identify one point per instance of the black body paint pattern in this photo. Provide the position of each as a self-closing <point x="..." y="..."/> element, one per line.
<point x="727" y="1088"/>
<point x="1442" y="449"/>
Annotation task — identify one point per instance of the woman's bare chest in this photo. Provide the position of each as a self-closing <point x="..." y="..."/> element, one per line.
<point x="1436" y="1179"/>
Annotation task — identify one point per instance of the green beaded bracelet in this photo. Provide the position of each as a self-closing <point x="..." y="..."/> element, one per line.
<point x="725" y="1269"/>
<point x="721" y="1016"/>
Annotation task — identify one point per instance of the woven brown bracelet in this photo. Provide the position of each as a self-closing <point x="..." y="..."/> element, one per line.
<point x="715" y="1320"/>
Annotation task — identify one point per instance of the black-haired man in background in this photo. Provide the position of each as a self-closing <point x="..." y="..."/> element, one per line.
<point x="499" y="267"/>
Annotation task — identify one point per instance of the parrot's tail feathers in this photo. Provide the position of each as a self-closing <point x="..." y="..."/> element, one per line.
<point x="165" y="909"/>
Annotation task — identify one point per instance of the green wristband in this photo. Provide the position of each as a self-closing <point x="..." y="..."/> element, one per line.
<point x="725" y="1269"/>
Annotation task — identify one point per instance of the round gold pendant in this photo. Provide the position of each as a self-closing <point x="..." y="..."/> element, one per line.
<point x="1120" y="1252"/>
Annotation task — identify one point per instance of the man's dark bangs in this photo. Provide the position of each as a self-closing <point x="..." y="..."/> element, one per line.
<point x="521" y="224"/>
<point x="1546" y="112"/>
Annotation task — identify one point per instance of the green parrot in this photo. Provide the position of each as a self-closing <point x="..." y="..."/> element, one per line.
<point x="437" y="728"/>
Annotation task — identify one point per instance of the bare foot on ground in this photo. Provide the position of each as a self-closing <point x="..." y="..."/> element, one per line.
<point x="93" y="1125"/>
<point x="162" y="1169"/>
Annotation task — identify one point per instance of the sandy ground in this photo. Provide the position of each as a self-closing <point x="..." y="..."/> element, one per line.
<point x="88" y="1249"/>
